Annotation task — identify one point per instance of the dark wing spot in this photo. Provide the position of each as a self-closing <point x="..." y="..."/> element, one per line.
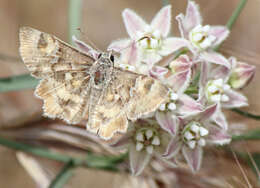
<point x="148" y="84"/>
<point x="42" y="43"/>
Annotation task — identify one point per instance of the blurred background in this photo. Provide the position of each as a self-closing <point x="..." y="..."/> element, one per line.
<point x="102" y="23"/>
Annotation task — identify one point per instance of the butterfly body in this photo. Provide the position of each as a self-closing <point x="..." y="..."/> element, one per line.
<point x="81" y="86"/>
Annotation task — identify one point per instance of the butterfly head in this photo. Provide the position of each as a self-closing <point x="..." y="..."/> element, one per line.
<point x="106" y="57"/>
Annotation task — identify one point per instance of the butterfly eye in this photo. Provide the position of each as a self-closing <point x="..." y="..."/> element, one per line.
<point x="99" y="55"/>
<point x="112" y="58"/>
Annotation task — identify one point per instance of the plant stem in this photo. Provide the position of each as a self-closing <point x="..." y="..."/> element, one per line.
<point x="251" y="135"/>
<point x="74" y="17"/>
<point x="34" y="150"/>
<point x="63" y="176"/>
<point x="165" y="2"/>
<point x="247" y="114"/>
<point x="24" y="81"/>
<point x="91" y="161"/>
<point x="234" y="17"/>
<point x="236" y="13"/>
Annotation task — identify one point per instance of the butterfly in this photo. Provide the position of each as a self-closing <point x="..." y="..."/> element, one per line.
<point x="85" y="85"/>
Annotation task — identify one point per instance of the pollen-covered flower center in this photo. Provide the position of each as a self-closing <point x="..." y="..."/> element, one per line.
<point x="215" y="91"/>
<point x="194" y="135"/>
<point x="200" y="37"/>
<point x="171" y="104"/>
<point x="147" y="139"/>
<point x="150" y="40"/>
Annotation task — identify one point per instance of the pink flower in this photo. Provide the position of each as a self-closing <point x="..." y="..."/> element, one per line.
<point x="193" y="133"/>
<point x="178" y="79"/>
<point x="215" y="88"/>
<point x="143" y="140"/>
<point x="202" y="39"/>
<point x="241" y="74"/>
<point x="148" y="42"/>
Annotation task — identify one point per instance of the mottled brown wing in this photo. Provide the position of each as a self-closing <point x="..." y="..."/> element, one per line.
<point x="64" y="87"/>
<point x="44" y="54"/>
<point x="129" y="96"/>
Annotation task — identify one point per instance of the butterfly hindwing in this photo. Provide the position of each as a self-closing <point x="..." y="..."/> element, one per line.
<point x="129" y="96"/>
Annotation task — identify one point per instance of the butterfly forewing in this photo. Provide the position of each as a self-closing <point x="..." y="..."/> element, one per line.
<point x="64" y="72"/>
<point x="44" y="54"/>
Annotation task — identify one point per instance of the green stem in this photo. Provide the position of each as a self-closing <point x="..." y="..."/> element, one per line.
<point x="24" y="81"/>
<point x="236" y="13"/>
<point x="34" y="150"/>
<point x="251" y="135"/>
<point x="91" y="161"/>
<point x="75" y="7"/>
<point x="165" y="2"/>
<point x="234" y="17"/>
<point x="247" y="114"/>
<point x="63" y="176"/>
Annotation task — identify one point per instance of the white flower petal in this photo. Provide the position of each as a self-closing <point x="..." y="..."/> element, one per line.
<point x="148" y="133"/>
<point x="195" y="128"/>
<point x="203" y="131"/>
<point x="188" y="135"/>
<point x="156" y="141"/>
<point x="140" y="136"/>
<point x="202" y="142"/>
<point x="171" y="106"/>
<point x="149" y="149"/>
<point x="139" y="146"/>
<point x="192" y="144"/>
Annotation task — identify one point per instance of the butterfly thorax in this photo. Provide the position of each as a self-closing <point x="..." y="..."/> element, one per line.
<point x="102" y="70"/>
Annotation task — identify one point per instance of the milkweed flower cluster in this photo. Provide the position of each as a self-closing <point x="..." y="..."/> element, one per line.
<point x="202" y="83"/>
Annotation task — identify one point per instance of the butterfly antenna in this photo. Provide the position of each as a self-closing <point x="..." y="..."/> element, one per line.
<point x="134" y="42"/>
<point x="88" y="40"/>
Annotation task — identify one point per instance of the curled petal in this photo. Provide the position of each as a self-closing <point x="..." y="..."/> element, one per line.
<point x="130" y="55"/>
<point x="158" y="72"/>
<point x="213" y="57"/>
<point x="241" y="75"/>
<point x="221" y="72"/>
<point x="193" y="157"/>
<point x="182" y="63"/>
<point x="138" y="160"/>
<point x="236" y="100"/>
<point x="220" y="32"/>
<point x="168" y="121"/>
<point x="207" y="113"/>
<point x="172" y="44"/>
<point x="188" y="106"/>
<point x="162" y="21"/>
<point x="190" y="20"/>
<point x="173" y="148"/>
<point x="85" y="48"/>
<point x="180" y="81"/>
<point x="133" y="23"/>
<point x="120" y="45"/>
<point x="218" y="136"/>
<point x="220" y="118"/>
